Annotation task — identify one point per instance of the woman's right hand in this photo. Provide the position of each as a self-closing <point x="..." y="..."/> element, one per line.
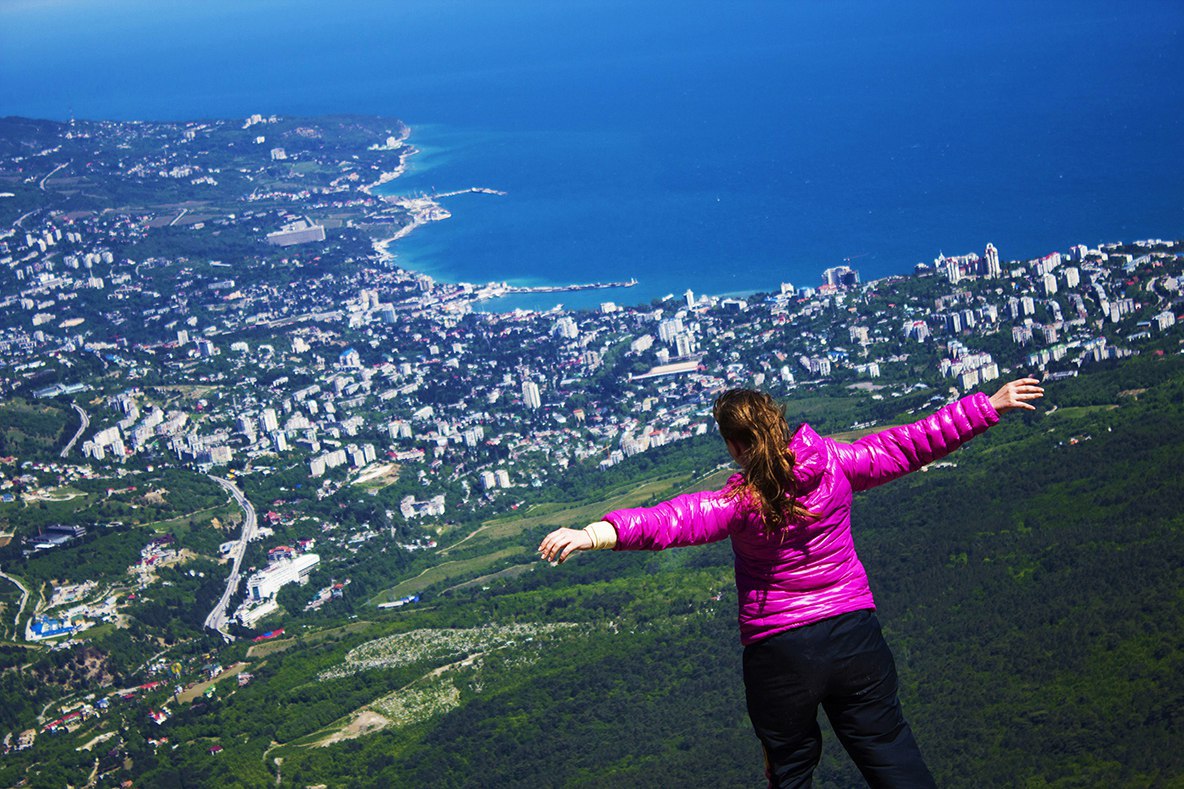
<point x="1016" y="394"/>
<point x="560" y="544"/>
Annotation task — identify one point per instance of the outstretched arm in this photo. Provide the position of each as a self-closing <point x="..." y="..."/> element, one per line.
<point x="690" y="519"/>
<point x="884" y="456"/>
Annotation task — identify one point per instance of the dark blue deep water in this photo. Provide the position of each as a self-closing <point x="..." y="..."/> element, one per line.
<point x="722" y="147"/>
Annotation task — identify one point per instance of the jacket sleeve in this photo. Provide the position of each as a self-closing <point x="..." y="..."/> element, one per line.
<point x="690" y="519"/>
<point x="884" y="456"/>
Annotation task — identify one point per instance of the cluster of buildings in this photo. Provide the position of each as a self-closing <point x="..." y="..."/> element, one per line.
<point x="477" y="403"/>
<point x="1068" y="300"/>
<point x="71" y="609"/>
<point x="43" y="627"/>
<point x="313" y="350"/>
<point x="353" y="455"/>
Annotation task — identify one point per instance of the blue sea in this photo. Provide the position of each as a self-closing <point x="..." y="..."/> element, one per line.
<point x="720" y="147"/>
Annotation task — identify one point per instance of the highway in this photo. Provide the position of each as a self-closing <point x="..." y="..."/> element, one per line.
<point x="81" y="429"/>
<point x="217" y="620"/>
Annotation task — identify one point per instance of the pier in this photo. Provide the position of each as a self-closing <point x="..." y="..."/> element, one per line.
<point x="475" y="190"/>
<point x="567" y="288"/>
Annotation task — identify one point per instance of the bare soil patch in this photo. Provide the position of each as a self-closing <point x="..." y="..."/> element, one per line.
<point x="364" y="722"/>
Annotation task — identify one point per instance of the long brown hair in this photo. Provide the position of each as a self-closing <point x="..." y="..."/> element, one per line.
<point x="755" y="422"/>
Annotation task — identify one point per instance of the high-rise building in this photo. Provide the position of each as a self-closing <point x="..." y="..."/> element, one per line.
<point x="530" y="395"/>
<point x="690" y="297"/>
<point x="991" y="256"/>
<point x="669" y="329"/>
<point x="917" y="330"/>
<point x="566" y="328"/>
<point x="1046" y="264"/>
<point x="952" y="269"/>
<point x="841" y="277"/>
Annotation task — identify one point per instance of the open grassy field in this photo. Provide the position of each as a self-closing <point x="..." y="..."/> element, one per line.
<point x="457" y="570"/>
<point x="556" y="514"/>
<point x="227" y="515"/>
<point x="478" y="555"/>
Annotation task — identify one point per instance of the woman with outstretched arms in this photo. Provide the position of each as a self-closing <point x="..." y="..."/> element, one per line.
<point x="807" y="618"/>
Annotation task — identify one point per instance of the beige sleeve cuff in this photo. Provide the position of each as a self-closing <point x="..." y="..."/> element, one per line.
<point x="603" y="534"/>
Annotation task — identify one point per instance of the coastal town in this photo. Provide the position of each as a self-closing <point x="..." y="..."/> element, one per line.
<point x="225" y="299"/>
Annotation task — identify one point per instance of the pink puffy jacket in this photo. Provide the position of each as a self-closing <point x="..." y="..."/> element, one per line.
<point x="813" y="573"/>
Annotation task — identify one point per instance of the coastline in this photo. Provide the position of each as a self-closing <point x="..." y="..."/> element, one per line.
<point x="425" y="209"/>
<point x="499" y="295"/>
<point x="381" y="246"/>
<point x="400" y="168"/>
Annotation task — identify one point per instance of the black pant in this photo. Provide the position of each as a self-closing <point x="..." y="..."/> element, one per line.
<point x="843" y="664"/>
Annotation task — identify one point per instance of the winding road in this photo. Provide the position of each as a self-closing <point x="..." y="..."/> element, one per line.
<point x="51" y="173"/>
<point x="217" y="620"/>
<point x="20" y="609"/>
<point x="81" y="429"/>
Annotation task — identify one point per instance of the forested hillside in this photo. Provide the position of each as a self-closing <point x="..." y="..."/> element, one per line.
<point x="1031" y="586"/>
<point x="1031" y="589"/>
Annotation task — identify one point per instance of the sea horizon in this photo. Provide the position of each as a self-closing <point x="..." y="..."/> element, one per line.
<point x="444" y="158"/>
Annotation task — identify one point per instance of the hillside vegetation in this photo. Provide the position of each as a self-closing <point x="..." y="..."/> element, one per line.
<point x="1031" y="588"/>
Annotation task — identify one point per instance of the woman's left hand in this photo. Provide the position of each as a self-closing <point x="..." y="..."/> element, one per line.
<point x="1016" y="394"/>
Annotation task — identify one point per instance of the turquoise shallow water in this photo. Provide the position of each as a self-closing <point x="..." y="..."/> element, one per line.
<point x="724" y="147"/>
